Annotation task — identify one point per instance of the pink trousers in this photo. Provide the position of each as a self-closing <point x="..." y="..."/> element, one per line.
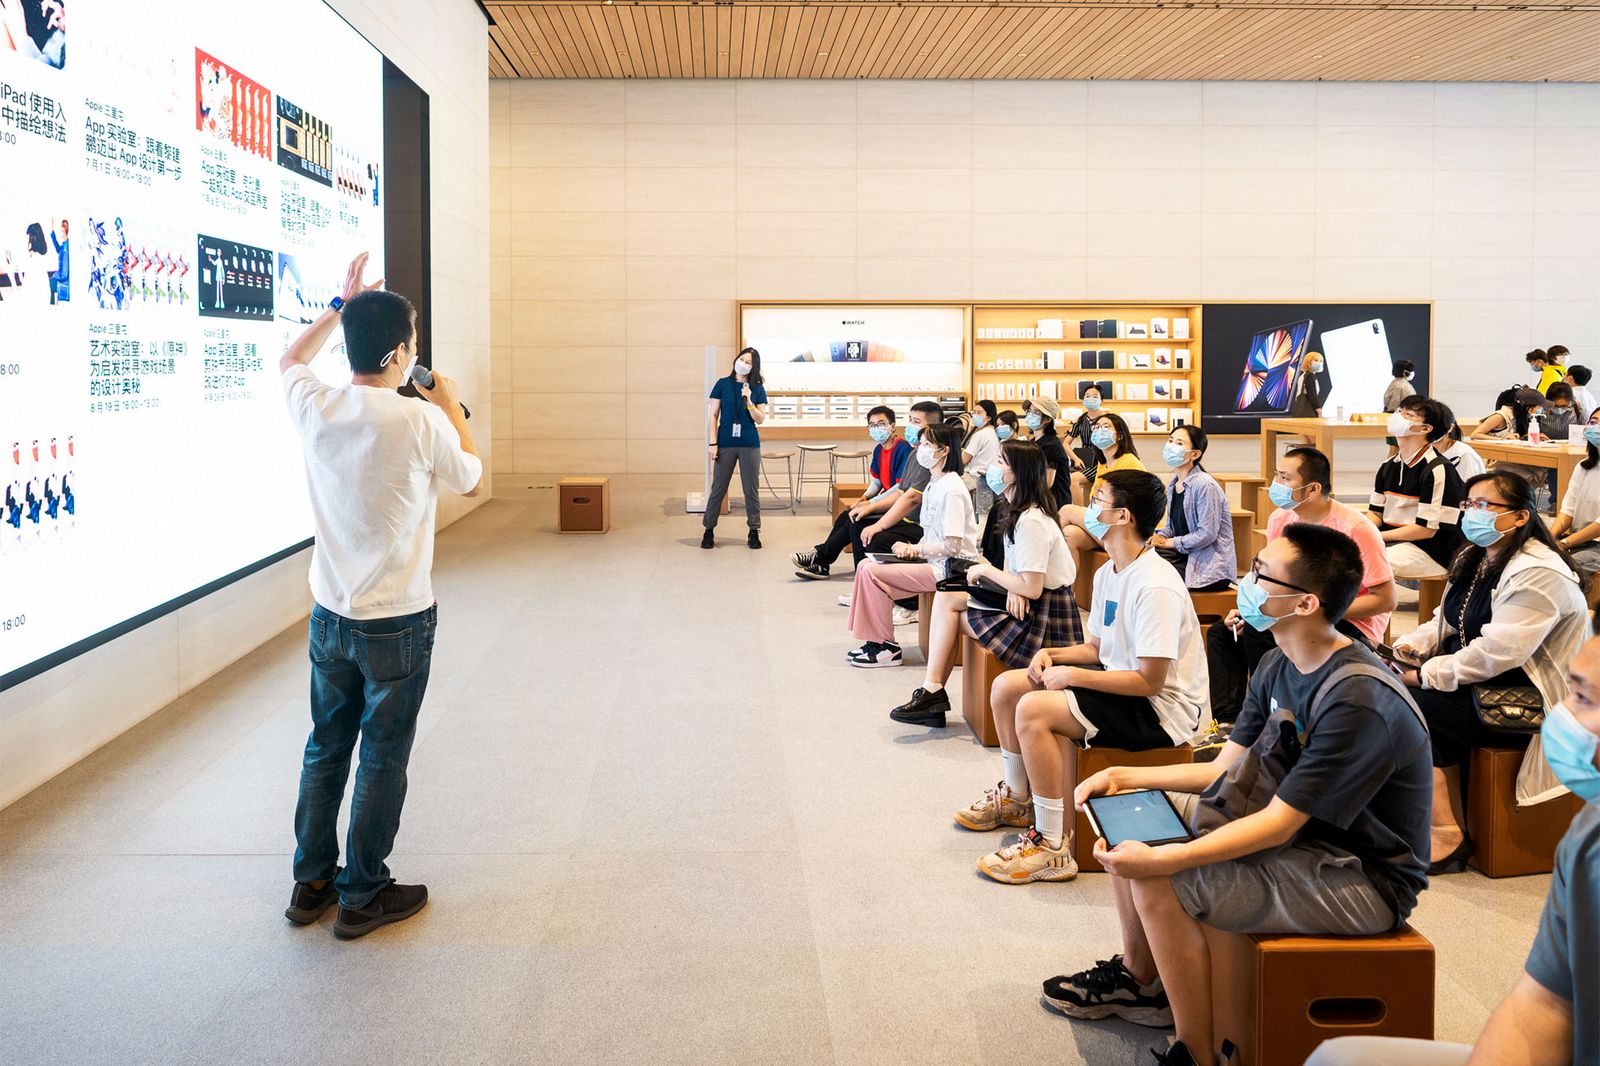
<point x="877" y="587"/>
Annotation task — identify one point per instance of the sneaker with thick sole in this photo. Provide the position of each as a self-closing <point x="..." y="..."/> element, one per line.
<point x="805" y="558"/>
<point x="393" y="903"/>
<point x="1107" y="989"/>
<point x="845" y="600"/>
<point x="707" y="540"/>
<point x="997" y="808"/>
<point x="923" y="708"/>
<point x="903" y="617"/>
<point x="874" y="654"/>
<point x="813" y="572"/>
<point x="1176" y="1055"/>
<point x="1031" y="858"/>
<point x="754" y="539"/>
<point x="307" y="903"/>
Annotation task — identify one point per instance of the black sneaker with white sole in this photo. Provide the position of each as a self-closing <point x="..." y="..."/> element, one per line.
<point x="805" y="558"/>
<point x="1176" y="1055"/>
<point x="393" y="903"/>
<point x="874" y="654"/>
<point x="307" y="902"/>
<point x="1107" y="989"/>
<point x="813" y="572"/>
<point x="923" y="708"/>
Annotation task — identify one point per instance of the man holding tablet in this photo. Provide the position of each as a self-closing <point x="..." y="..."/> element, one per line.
<point x="1340" y="846"/>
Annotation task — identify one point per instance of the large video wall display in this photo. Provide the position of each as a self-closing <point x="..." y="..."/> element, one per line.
<point x="185" y="184"/>
<point x="1257" y="356"/>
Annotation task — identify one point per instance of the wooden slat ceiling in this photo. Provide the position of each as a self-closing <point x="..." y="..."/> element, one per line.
<point x="1243" y="40"/>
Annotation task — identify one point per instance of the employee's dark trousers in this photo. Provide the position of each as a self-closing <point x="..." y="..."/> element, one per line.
<point x="749" y="460"/>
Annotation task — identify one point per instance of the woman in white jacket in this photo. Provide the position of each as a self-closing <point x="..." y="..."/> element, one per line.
<point x="1513" y="614"/>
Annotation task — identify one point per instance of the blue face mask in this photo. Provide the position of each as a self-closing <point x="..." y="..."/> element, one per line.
<point x="1252" y="598"/>
<point x="979" y="420"/>
<point x="1283" y="496"/>
<point x="1174" y="454"/>
<point x="1002" y="431"/>
<point x="1315" y="368"/>
<point x="995" y="478"/>
<point x="1102" y="438"/>
<point x="1569" y="749"/>
<point x="1478" y="527"/>
<point x="1592" y="435"/>
<point x="879" y="433"/>
<point x="1091" y="522"/>
<point x="1034" y="421"/>
<point x="1091" y="403"/>
<point x="913" y="431"/>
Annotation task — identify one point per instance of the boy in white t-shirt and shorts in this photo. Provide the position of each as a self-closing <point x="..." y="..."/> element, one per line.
<point x="1138" y="682"/>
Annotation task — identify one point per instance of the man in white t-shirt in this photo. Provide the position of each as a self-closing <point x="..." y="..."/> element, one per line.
<point x="1139" y="681"/>
<point x="374" y="461"/>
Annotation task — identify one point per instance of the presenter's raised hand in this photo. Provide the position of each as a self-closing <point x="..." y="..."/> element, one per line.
<point x="443" y="393"/>
<point x="353" y="282"/>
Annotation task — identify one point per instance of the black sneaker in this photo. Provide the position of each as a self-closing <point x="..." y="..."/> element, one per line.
<point x="1176" y="1055"/>
<point x="805" y="558"/>
<point x="306" y="903"/>
<point x="1106" y="989"/>
<point x="393" y="903"/>
<point x="754" y="539"/>
<point x="708" y="541"/>
<point x="873" y="654"/>
<point x="923" y="708"/>
<point x="813" y="572"/>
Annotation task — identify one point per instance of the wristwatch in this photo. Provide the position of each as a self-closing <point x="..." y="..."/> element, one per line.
<point x="336" y="304"/>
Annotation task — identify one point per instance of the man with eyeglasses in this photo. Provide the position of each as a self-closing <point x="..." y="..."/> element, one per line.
<point x="1416" y="496"/>
<point x="1302" y="490"/>
<point x="1338" y="848"/>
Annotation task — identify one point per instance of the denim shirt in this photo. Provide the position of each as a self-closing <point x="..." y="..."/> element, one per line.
<point x="1209" y="542"/>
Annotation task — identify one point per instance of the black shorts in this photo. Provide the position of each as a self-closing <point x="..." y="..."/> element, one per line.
<point x="1126" y="722"/>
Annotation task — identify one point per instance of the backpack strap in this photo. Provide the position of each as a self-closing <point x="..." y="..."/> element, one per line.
<point x="1380" y="674"/>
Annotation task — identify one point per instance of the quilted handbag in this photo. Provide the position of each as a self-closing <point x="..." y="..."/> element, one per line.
<point x="1509" y="708"/>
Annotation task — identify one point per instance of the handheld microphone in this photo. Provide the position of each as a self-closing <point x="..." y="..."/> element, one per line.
<point x="418" y="374"/>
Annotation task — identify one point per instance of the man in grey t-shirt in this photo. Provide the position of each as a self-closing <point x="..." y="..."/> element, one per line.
<point x="1537" y="1023"/>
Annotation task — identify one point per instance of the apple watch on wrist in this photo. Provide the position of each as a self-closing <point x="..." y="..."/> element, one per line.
<point x="336" y="305"/>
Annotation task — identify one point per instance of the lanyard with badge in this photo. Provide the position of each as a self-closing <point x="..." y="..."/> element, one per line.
<point x="738" y="418"/>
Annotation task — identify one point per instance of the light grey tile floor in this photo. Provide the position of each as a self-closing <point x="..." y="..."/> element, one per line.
<point x="661" y="820"/>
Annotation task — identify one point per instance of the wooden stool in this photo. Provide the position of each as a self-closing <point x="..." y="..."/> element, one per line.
<point x="843" y="493"/>
<point x="1243" y="521"/>
<point x="1278" y="997"/>
<point x="584" y="505"/>
<point x="1430" y="593"/>
<point x="1088" y="563"/>
<point x="1092" y="761"/>
<point x="1210" y="608"/>
<point x="924" y="624"/>
<point x="1508" y="840"/>
<point x="854" y="456"/>
<point x="1243" y="491"/>
<point x="787" y="502"/>
<point x="817" y="451"/>
<point x="978" y="671"/>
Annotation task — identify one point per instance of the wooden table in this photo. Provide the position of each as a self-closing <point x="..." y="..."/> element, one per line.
<point x="1322" y="431"/>
<point x="1562" y="457"/>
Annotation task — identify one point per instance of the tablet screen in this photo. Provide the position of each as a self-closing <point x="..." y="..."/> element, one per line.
<point x="1145" y="815"/>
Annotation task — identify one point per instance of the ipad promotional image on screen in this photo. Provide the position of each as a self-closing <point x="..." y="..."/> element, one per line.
<point x="1272" y="368"/>
<point x="1146" y="815"/>
<point x="1360" y="363"/>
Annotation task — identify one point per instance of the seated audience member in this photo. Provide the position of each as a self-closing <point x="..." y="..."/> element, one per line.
<point x="948" y="530"/>
<point x="1578" y="377"/>
<point x="1547" y="365"/>
<point x="1513" y="615"/>
<point x="1302" y="491"/>
<point x="1313" y="819"/>
<point x="1577" y="527"/>
<point x="1041" y="423"/>
<point x="1198" y="537"/>
<point x="1417" y="493"/>
<point x="1404" y="370"/>
<point x="1550" y="1016"/>
<point x="1468" y="463"/>
<point x="1034" y="607"/>
<point x="1006" y="426"/>
<point x="1558" y="412"/>
<point x="1087" y="466"/>
<point x="891" y="513"/>
<point x="1114" y="442"/>
<point x="1139" y="682"/>
<point x="1512" y="413"/>
<point x="978" y="453"/>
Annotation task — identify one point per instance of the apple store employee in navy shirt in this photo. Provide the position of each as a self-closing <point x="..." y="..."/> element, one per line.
<point x="738" y="405"/>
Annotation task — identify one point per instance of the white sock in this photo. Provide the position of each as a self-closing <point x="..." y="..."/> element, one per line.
<point x="1016" y="774"/>
<point x="1050" y="818"/>
<point x="932" y="686"/>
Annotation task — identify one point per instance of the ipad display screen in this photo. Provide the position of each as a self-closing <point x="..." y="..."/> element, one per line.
<point x="1271" y="369"/>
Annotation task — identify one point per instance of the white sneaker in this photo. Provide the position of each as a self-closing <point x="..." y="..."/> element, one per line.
<point x="844" y="601"/>
<point x="873" y="654"/>
<point x="903" y="617"/>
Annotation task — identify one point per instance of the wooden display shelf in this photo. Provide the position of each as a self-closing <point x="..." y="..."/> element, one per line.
<point x="1082" y="341"/>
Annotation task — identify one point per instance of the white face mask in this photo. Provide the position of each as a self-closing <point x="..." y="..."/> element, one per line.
<point x="925" y="457"/>
<point x="1401" y="426"/>
<point x="741" y="367"/>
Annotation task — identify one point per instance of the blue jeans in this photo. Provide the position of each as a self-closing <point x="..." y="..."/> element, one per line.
<point x="367" y="680"/>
